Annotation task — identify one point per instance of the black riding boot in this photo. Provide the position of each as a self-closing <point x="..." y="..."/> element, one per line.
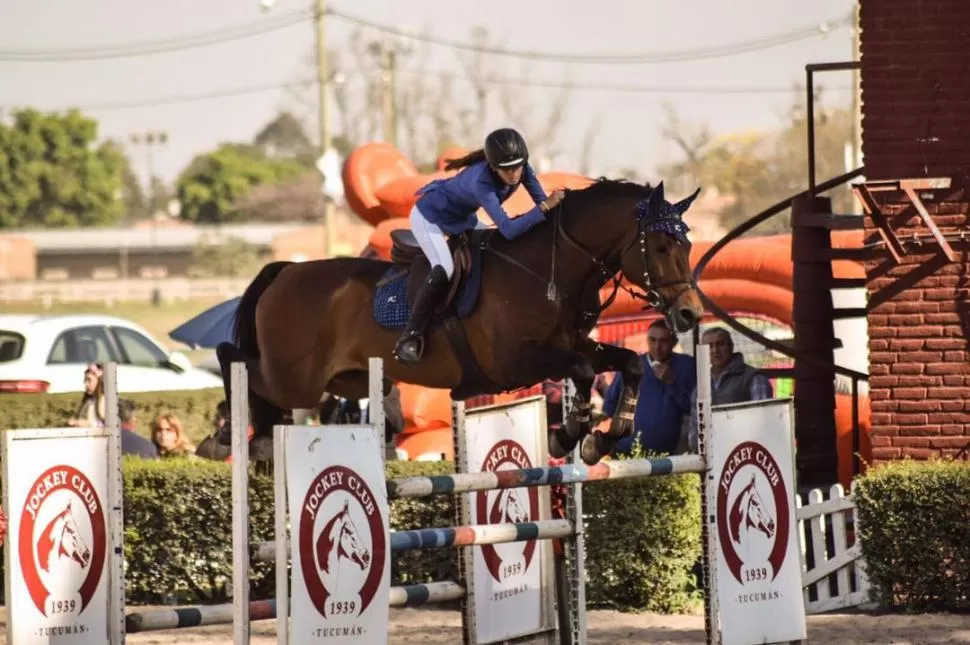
<point x="410" y="346"/>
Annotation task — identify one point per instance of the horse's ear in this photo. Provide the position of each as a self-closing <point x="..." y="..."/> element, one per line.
<point x="656" y="198"/>
<point x="682" y="206"/>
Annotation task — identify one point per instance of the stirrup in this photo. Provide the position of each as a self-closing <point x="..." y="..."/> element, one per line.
<point x="409" y="349"/>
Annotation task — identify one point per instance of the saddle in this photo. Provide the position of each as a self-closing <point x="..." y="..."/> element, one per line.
<point x="407" y="256"/>
<point x="409" y="264"/>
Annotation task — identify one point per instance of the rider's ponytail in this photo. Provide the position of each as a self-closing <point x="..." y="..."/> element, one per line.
<point x="469" y="159"/>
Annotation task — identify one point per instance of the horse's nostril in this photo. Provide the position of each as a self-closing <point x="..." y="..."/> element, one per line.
<point x="687" y="315"/>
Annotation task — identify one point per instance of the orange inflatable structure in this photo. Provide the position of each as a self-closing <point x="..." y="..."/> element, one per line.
<point x="749" y="276"/>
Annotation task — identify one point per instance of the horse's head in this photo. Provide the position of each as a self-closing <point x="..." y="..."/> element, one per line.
<point x="350" y="542"/>
<point x="758" y="516"/>
<point x="62" y="534"/>
<point x="341" y="537"/>
<point x="658" y="259"/>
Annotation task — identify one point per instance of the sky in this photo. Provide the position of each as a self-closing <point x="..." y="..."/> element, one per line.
<point x="627" y="124"/>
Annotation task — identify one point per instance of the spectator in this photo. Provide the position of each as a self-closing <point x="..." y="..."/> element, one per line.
<point x="169" y="437"/>
<point x="664" y="395"/>
<point x="131" y="442"/>
<point x="732" y="380"/>
<point x="91" y="411"/>
<point x="210" y="448"/>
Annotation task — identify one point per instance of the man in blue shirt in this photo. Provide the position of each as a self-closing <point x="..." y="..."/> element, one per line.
<point x="664" y="397"/>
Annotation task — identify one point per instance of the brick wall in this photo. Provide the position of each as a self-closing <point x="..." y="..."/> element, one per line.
<point x="916" y="123"/>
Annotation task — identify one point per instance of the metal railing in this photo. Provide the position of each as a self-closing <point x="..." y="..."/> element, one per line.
<point x="814" y="189"/>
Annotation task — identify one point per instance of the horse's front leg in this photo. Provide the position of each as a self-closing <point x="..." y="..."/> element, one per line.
<point x="610" y="358"/>
<point x="555" y="363"/>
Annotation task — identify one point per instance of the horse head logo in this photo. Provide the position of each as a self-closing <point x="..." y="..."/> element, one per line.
<point x="61" y="537"/>
<point x="341" y="539"/>
<point x="748" y="511"/>
<point x="508" y="508"/>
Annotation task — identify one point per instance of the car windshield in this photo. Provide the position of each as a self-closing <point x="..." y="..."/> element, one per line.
<point x="11" y="346"/>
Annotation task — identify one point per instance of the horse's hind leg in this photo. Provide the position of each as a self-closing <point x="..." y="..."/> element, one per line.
<point x="263" y="414"/>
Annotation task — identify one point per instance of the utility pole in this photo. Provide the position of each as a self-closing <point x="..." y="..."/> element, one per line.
<point x="389" y="79"/>
<point x="323" y="123"/>
<point x="327" y="160"/>
<point x="150" y="139"/>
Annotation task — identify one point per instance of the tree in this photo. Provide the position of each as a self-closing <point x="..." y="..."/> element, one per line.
<point x="214" y="184"/>
<point x="759" y="168"/>
<point x="284" y="137"/>
<point x="53" y="175"/>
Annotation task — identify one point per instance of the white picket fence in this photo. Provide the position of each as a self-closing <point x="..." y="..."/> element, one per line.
<point x="833" y="570"/>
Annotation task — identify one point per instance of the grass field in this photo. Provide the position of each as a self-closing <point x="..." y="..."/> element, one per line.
<point x="159" y="321"/>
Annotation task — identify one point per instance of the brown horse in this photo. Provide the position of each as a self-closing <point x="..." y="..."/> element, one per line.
<point x="309" y="328"/>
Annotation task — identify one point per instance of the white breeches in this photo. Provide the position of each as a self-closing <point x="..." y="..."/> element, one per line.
<point x="433" y="242"/>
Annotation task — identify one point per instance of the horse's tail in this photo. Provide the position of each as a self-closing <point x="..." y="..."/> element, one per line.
<point x="244" y="322"/>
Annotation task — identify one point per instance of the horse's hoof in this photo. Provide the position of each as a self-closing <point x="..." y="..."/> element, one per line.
<point x="261" y="449"/>
<point x="224" y="435"/>
<point x="589" y="451"/>
<point x="596" y="445"/>
<point x="561" y="444"/>
<point x="575" y="428"/>
<point x="620" y="428"/>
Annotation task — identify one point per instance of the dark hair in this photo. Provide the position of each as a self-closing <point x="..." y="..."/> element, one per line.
<point x="661" y="323"/>
<point x="472" y="157"/>
<point x="126" y="410"/>
<point x="720" y="330"/>
<point x="222" y="409"/>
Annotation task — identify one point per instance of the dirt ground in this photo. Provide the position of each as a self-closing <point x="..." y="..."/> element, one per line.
<point x="428" y="626"/>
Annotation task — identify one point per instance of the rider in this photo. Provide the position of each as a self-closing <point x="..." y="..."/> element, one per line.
<point x="447" y="206"/>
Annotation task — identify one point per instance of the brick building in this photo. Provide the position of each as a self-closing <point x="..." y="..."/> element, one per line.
<point x="915" y="76"/>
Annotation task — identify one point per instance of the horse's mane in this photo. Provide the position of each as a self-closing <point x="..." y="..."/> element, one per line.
<point x="605" y="187"/>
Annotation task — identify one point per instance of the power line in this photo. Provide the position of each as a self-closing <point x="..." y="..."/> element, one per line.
<point x="291" y="18"/>
<point x="615" y="58"/>
<point x="156" y="46"/>
<point x="603" y="87"/>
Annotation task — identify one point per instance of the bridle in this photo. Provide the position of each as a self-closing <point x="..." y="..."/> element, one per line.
<point x="669" y="221"/>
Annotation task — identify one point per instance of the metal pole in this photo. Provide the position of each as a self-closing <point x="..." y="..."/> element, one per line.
<point x="810" y="126"/>
<point x="239" y="420"/>
<point x="856" y="103"/>
<point x="282" y="552"/>
<point x="116" y="596"/>
<point x="323" y="123"/>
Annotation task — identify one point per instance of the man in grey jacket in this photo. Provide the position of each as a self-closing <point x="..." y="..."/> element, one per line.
<point x="732" y="380"/>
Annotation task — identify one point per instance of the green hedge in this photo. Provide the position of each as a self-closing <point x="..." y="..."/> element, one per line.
<point x="643" y="538"/>
<point x="195" y="408"/>
<point x="914" y="530"/>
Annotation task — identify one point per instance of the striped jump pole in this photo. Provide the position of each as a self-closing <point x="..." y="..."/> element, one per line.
<point x="529" y="477"/>
<point x="149" y="621"/>
<point x="416" y="595"/>
<point x="447" y="537"/>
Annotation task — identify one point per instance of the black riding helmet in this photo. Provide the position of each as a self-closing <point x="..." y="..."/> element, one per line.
<point x="505" y="148"/>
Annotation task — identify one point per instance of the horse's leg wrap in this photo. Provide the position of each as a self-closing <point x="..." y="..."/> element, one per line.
<point x="578" y="423"/>
<point x="622" y="422"/>
<point x="606" y="358"/>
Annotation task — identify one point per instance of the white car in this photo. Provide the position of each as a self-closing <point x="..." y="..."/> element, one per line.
<point x="49" y="354"/>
